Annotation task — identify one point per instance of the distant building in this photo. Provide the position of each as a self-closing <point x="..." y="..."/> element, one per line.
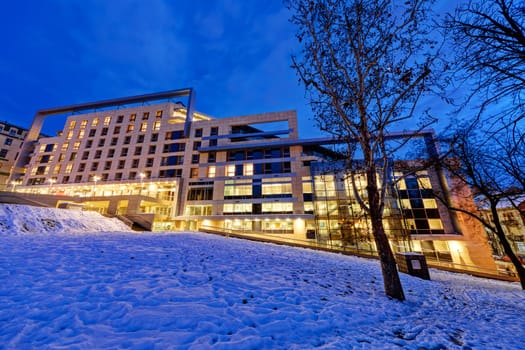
<point x="513" y="222"/>
<point x="166" y="167"/>
<point x="11" y="138"/>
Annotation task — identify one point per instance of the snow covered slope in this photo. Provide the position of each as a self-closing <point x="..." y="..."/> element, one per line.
<point x="24" y="219"/>
<point x="195" y="291"/>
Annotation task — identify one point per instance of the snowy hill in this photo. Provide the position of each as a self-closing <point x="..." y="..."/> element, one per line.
<point x="25" y="219"/>
<point x="122" y="290"/>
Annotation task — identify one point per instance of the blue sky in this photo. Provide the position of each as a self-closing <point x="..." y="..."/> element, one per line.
<point x="236" y="54"/>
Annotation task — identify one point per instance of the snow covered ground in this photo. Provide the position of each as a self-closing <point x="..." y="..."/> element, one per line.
<point x="114" y="290"/>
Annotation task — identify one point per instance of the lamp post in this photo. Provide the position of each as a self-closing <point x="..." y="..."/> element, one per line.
<point x="141" y="176"/>
<point x="95" y="179"/>
<point x="51" y="182"/>
<point x="14" y="183"/>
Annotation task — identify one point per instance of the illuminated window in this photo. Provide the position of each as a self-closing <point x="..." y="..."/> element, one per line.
<point x="132" y="117"/>
<point x="194" y="173"/>
<point x="57" y="169"/>
<point x="76" y="145"/>
<point x="145" y="116"/>
<point x="72" y="124"/>
<point x="65" y="146"/>
<point x="69" y="167"/>
<point x="107" y="120"/>
<point x="156" y="125"/>
<point x="81" y="134"/>
<point x="230" y="170"/>
<point x="248" y="169"/>
<point x="95" y="122"/>
<point x="211" y="171"/>
<point x="278" y="207"/>
<point x="130" y="127"/>
<point x="143" y="126"/>
<point x="61" y="157"/>
<point x="158" y="114"/>
<point x="69" y="135"/>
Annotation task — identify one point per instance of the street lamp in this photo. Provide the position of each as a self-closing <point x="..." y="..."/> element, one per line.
<point x="95" y="179"/>
<point x="141" y="176"/>
<point x="14" y="183"/>
<point x="51" y="182"/>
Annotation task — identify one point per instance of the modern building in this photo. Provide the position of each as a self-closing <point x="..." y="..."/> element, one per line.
<point x="166" y="167"/>
<point x="11" y="138"/>
<point x="512" y="221"/>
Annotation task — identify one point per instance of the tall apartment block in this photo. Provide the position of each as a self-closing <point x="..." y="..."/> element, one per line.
<point x="165" y="166"/>
<point x="11" y="138"/>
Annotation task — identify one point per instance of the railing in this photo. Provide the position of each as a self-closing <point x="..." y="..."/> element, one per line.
<point x="442" y="264"/>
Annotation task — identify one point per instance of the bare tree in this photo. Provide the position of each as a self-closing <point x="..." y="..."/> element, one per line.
<point x="491" y="164"/>
<point x="489" y="147"/>
<point x="489" y="37"/>
<point x="366" y="64"/>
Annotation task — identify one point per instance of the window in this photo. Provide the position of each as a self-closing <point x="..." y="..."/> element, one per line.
<point x="143" y="126"/>
<point x="107" y="120"/>
<point x="211" y="171"/>
<point x="156" y="125"/>
<point x="3" y="153"/>
<point x="89" y="143"/>
<point x="211" y="157"/>
<point x="101" y="142"/>
<point x="65" y="146"/>
<point x="158" y="114"/>
<point x="198" y="132"/>
<point x="8" y="141"/>
<point x="92" y="132"/>
<point x="85" y="156"/>
<point x="72" y="124"/>
<point x="81" y="133"/>
<point x="154" y="137"/>
<point x="114" y="141"/>
<point x="98" y="154"/>
<point x="111" y="153"/>
<point x="124" y="152"/>
<point x="130" y="127"/>
<point x="121" y="164"/>
<point x="120" y="119"/>
<point x="196" y="145"/>
<point x="69" y="135"/>
<point x="73" y="156"/>
<point x="76" y="145"/>
<point x="214" y="131"/>
<point x="107" y="165"/>
<point x="127" y="140"/>
<point x="149" y="162"/>
<point x="135" y="163"/>
<point x="213" y="143"/>
<point x="69" y="167"/>
<point x="95" y="122"/>
<point x="132" y="117"/>
<point x="152" y="149"/>
<point x="230" y="170"/>
<point x="116" y="130"/>
<point x="83" y="123"/>
<point x="140" y="139"/>
<point x="195" y="159"/>
<point x="194" y="173"/>
<point x="138" y="151"/>
<point x="94" y="166"/>
<point x="78" y="178"/>
<point x="82" y="167"/>
<point x="104" y="131"/>
<point x="145" y="116"/>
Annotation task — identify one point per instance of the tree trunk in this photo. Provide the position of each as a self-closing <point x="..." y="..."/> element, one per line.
<point x="392" y="283"/>
<point x="507" y="248"/>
